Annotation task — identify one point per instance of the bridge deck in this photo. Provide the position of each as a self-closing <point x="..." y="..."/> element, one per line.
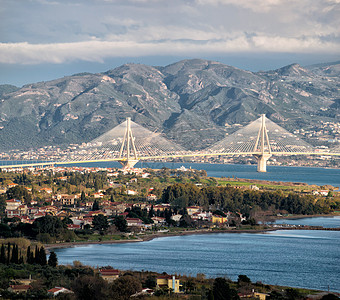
<point x="33" y="164"/>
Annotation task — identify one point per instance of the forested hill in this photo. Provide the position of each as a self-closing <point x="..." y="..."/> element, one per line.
<point x="194" y="102"/>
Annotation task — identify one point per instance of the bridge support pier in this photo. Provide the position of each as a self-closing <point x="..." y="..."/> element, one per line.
<point x="128" y="163"/>
<point x="262" y="161"/>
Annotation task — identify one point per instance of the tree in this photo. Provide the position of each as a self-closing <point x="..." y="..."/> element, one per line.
<point x="53" y="260"/>
<point x="48" y="224"/>
<point x="2" y="255"/>
<point x="120" y="223"/>
<point x="293" y="294"/>
<point x="123" y="287"/>
<point x="19" y="192"/>
<point x="95" y="205"/>
<point x="90" y="287"/>
<point x="243" y="278"/>
<point x="151" y="212"/>
<point x="8" y="252"/>
<point x="2" y="206"/>
<point x="185" y="221"/>
<point x="151" y="282"/>
<point x="40" y="256"/>
<point x="15" y="254"/>
<point x="329" y="297"/>
<point x="29" y="256"/>
<point x="82" y="196"/>
<point x="222" y="291"/>
<point x="100" y="223"/>
<point x="5" y="230"/>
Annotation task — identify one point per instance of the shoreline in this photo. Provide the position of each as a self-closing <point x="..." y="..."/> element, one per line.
<point x="150" y="237"/>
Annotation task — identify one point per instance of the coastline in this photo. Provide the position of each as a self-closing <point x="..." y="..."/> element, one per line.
<point x="150" y="237"/>
<point x="145" y="238"/>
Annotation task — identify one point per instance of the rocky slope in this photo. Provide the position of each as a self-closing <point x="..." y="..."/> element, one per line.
<point x="194" y="102"/>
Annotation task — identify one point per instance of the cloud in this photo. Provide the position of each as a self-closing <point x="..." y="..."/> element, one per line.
<point x="98" y="50"/>
<point x="58" y="31"/>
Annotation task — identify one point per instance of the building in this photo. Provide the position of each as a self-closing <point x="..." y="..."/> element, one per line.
<point x="13" y="204"/>
<point x="168" y="282"/>
<point x="46" y="190"/>
<point x="131" y="192"/>
<point x="98" y="195"/>
<point x="58" y="290"/>
<point x="109" y="274"/>
<point x="193" y="209"/>
<point x="67" y="200"/>
<point x="134" y="222"/>
<point x="204" y="215"/>
<point x="19" y="288"/>
<point x="176" y="218"/>
<point x="151" y="197"/>
<point x="261" y="296"/>
<point x="219" y="219"/>
<point x="158" y="220"/>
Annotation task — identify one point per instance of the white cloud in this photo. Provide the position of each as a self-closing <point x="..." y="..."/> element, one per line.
<point x="93" y="30"/>
<point x="256" y="5"/>
<point x="97" y="50"/>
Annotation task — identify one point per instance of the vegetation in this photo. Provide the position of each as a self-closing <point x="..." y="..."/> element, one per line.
<point x="86" y="283"/>
<point x="231" y="199"/>
<point x="175" y="190"/>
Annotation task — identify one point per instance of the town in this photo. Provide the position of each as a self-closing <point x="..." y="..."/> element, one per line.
<point x="56" y="206"/>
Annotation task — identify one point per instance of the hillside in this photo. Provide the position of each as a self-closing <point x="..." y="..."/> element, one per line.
<point x="194" y="102"/>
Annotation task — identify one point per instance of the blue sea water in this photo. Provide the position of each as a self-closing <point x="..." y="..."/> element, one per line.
<point x="318" y="176"/>
<point x="309" y="175"/>
<point x="326" y="222"/>
<point x="297" y="258"/>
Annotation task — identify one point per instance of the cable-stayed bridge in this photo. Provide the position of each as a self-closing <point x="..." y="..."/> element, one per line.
<point x="129" y="142"/>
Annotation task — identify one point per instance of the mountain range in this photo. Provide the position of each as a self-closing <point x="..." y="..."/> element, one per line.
<point x="193" y="102"/>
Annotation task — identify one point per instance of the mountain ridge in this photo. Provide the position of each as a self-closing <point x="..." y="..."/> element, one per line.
<point x="193" y="102"/>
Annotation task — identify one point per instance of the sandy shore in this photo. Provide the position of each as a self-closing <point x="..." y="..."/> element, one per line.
<point x="149" y="237"/>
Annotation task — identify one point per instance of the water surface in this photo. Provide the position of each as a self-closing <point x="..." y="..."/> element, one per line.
<point x="318" y="176"/>
<point x="326" y="222"/>
<point x="297" y="258"/>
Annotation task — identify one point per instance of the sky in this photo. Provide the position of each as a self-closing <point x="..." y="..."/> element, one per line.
<point x="42" y="40"/>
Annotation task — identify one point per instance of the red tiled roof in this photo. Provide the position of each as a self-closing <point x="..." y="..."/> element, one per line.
<point x="108" y="272"/>
<point x="20" y="287"/>
<point x="54" y="290"/>
<point x="164" y="277"/>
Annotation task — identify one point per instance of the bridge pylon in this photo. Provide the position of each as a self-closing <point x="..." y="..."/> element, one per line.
<point x="128" y="146"/>
<point x="262" y="146"/>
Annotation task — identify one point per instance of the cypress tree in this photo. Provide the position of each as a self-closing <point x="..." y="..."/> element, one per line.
<point x="53" y="260"/>
<point x="95" y="206"/>
<point x="42" y="257"/>
<point x="2" y="255"/>
<point x="15" y="254"/>
<point x="36" y="255"/>
<point x="21" y="260"/>
<point x="82" y="196"/>
<point x="8" y="252"/>
<point x="28" y="255"/>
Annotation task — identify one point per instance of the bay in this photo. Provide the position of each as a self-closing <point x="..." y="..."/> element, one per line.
<point x="297" y="258"/>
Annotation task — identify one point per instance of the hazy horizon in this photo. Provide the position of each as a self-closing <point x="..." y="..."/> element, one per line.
<point x="41" y="40"/>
